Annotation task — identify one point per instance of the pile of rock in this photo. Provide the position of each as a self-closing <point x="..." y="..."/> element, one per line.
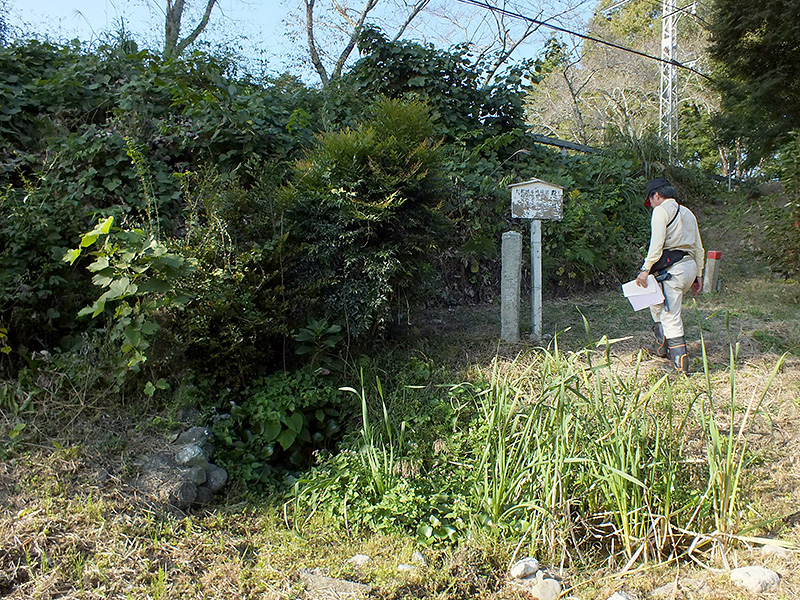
<point x="538" y="583"/>
<point x="544" y="584"/>
<point x="198" y="478"/>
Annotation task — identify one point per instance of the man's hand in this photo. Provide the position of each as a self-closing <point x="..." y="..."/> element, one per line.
<point x="641" y="279"/>
<point x="697" y="286"/>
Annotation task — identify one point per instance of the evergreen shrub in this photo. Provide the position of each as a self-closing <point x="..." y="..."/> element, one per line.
<point x="364" y="214"/>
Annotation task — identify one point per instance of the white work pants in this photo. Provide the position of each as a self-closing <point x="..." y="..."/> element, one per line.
<point x="684" y="273"/>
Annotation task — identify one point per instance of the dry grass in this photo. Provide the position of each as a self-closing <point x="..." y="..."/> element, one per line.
<point x="72" y="525"/>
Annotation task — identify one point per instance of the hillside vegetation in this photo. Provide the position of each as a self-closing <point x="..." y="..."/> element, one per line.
<point x="580" y="426"/>
<point x="309" y="277"/>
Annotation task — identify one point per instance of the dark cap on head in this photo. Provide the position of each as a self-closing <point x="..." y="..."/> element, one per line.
<point x="653" y="186"/>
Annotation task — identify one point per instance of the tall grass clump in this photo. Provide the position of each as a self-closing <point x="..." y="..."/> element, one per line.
<point x="571" y="455"/>
<point x="727" y="456"/>
<point x="558" y="453"/>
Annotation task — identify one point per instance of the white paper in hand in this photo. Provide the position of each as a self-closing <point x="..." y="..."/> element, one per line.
<point x="640" y="297"/>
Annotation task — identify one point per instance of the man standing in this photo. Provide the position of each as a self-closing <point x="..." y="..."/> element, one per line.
<point x="676" y="258"/>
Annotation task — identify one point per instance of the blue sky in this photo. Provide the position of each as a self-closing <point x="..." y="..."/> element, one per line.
<point x="250" y="24"/>
<point x="256" y="29"/>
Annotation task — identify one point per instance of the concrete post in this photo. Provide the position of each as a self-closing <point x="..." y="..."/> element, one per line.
<point x="711" y="274"/>
<point x="510" y="278"/>
<point x="536" y="279"/>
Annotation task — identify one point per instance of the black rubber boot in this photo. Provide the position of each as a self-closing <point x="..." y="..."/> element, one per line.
<point x="678" y="355"/>
<point x="661" y="340"/>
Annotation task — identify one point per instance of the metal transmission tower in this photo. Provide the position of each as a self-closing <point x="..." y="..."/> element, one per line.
<point x="668" y="104"/>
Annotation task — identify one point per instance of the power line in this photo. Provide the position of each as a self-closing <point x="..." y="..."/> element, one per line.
<point x="590" y="38"/>
<point x="656" y="4"/>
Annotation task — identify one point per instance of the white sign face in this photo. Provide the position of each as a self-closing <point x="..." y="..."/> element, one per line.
<point x="536" y="201"/>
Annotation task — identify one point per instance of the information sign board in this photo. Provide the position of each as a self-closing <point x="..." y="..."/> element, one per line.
<point x="537" y="199"/>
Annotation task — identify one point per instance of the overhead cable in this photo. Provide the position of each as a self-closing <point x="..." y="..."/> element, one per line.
<point x="590" y="38"/>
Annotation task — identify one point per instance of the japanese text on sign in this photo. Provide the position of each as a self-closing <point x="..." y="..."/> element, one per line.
<point x="537" y="203"/>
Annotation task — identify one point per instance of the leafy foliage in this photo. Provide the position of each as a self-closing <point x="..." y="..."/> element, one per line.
<point x="318" y="340"/>
<point x="139" y="276"/>
<point x="88" y="134"/>
<point x="235" y="325"/>
<point x="278" y="420"/>
<point x="365" y="215"/>
<point x="39" y="294"/>
<point x="782" y="222"/>
<point x="545" y="452"/>
<point x="450" y="82"/>
<point x="758" y="51"/>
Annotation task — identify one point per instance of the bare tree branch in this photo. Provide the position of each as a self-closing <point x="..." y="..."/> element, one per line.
<point x="173" y="45"/>
<point x="348" y="49"/>
<point x="343" y="12"/>
<point x="507" y="42"/>
<point x="418" y="8"/>
<point x="507" y="51"/>
<point x="576" y="109"/>
<point x="197" y="30"/>
<point x="312" y="43"/>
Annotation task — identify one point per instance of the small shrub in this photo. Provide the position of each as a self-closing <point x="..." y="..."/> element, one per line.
<point x="364" y="214"/>
<point x="140" y="279"/>
<point x="278" y="421"/>
<point x="235" y="326"/>
<point x="782" y="220"/>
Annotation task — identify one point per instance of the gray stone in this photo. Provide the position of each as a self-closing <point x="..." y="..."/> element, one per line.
<point x="191" y="456"/>
<point x="359" y="560"/>
<point x="216" y="478"/>
<point x="209" y="448"/>
<point x="183" y="495"/>
<point x="196" y="435"/>
<point x="621" y="596"/>
<point x="204" y="494"/>
<point x="545" y="589"/>
<point x="755" y="579"/>
<point x="773" y="550"/>
<point x="524" y="568"/>
<point x="419" y="559"/>
<point x="197" y="475"/>
<point x="406" y="568"/>
<point x="321" y="586"/>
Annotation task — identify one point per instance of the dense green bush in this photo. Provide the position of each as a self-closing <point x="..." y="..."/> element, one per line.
<point x="782" y="219"/>
<point x="605" y="227"/>
<point x="91" y="133"/>
<point x="278" y="420"/>
<point x="235" y="325"/>
<point x="40" y="296"/>
<point x="451" y="82"/>
<point x="364" y="214"/>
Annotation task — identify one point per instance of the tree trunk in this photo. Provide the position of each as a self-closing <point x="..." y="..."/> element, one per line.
<point x="173" y="44"/>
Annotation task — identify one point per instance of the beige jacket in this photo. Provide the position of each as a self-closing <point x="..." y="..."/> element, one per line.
<point x="682" y="234"/>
